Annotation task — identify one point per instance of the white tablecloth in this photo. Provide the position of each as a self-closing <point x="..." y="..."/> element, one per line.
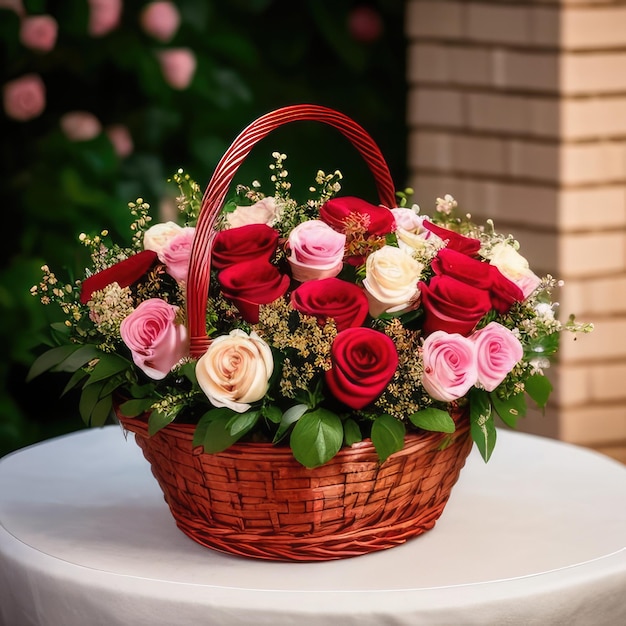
<point x="536" y="536"/>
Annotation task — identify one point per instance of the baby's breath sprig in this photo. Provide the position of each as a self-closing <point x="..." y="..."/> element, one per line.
<point x="279" y="175"/>
<point x="189" y="199"/>
<point x="140" y="211"/>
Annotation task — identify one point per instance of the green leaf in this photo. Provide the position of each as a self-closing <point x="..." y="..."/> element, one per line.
<point x="101" y="411"/>
<point x="539" y="388"/>
<point x="351" y="432"/>
<point x="50" y="359"/>
<point x="158" y="420"/>
<point x="316" y="438"/>
<point x="289" y="417"/>
<point x="241" y="423"/>
<point x="77" y="377"/>
<point x="78" y="358"/>
<point x="510" y="409"/>
<point x="212" y="431"/>
<point x="135" y="407"/>
<point x="188" y="370"/>
<point x="108" y="365"/>
<point x="272" y="413"/>
<point x="387" y="436"/>
<point x="89" y="398"/>
<point x="433" y="419"/>
<point x="482" y="427"/>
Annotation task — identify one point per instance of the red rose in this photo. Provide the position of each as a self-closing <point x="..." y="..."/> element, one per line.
<point x="502" y="291"/>
<point x="244" y="243"/>
<point x="124" y="273"/>
<point x="452" y="305"/>
<point x="379" y="219"/>
<point x="456" y="241"/>
<point x="251" y="283"/>
<point x="331" y="297"/>
<point x="364" y="361"/>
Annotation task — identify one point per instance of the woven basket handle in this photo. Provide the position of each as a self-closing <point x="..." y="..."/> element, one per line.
<point x="215" y="194"/>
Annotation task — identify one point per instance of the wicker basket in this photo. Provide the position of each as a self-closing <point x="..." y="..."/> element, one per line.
<point x="256" y="500"/>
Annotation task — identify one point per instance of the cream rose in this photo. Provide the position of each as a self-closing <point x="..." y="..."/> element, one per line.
<point x="157" y="237"/>
<point x="391" y="278"/>
<point x="410" y="231"/>
<point x="235" y="370"/>
<point x="264" y="211"/>
<point x="515" y="267"/>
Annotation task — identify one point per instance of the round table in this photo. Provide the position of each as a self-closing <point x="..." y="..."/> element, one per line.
<point x="536" y="536"/>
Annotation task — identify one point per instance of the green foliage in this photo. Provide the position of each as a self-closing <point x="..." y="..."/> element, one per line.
<point x="316" y="438"/>
<point x="387" y="436"/>
<point x="482" y="427"/>
<point x="433" y="419"/>
<point x="252" y="55"/>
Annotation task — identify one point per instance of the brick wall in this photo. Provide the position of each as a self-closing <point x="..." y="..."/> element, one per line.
<point x="518" y="109"/>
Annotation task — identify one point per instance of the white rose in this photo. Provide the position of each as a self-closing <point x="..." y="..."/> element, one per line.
<point x="391" y="278"/>
<point x="514" y="266"/>
<point x="264" y="211"/>
<point x="159" y="235"/>
<point x="235" y="370"/>
<point x="410" y="231"/>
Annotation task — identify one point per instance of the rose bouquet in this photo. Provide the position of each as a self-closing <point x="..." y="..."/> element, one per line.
<point x="330" y="321"/>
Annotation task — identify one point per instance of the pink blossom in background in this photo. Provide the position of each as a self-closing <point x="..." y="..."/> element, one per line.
<point x="16" y="6"/>
<point x="160" y="20"/>
<point x="80" y="125"/>
<point x="104" y="16"/>
<point x="365" y="24"/>
<point x="122" y="141"/>
<point x="24" y="98"/>
<point x="178" y="66"/>
<point x="39" y="32"/>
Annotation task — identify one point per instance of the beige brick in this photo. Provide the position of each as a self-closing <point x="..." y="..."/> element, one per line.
<point x="542" y="423"/>
<point x="608" y="382"/>
<point x="595" y="424"/>
<point x="596" y="162"/>
<point x="492" y="23"/>
<point x="604" y="295"/>
<point x="437" y="107"/>
<point x="434" y="19"/>
<point x="597" y="27"/>
<point x="514" y="115"/>
<point x="532" y="160"/>
<point x="459" y="153"/>
<point x="572" y="386"/>
<point x="591" y="254"/>
<point x="593" y="73"/>
<point x="545" y="28"/>
<point x="532" y="71"/>
<point x="593" y="117"/>
<point x="606" y="342"/>
<point x="592" y="208"/>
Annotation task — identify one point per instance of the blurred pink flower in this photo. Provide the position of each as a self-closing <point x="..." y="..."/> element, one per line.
<point x="121" y="139"/>
<point x="24" y="98"/>
<point x="39" y="32"/>
<point x="365" y="24"/>
<point x="13" y="5"/>
<point x="104" y="16"/>
<point x="80" y="125"/>
<point x="178" y="66"/>
<point x="160" y="20"/>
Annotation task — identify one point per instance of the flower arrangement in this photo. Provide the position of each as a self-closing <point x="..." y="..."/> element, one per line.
<point x="330" y="321"/>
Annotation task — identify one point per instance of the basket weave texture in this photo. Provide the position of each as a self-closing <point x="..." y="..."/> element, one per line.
<point x="256" y="500"/>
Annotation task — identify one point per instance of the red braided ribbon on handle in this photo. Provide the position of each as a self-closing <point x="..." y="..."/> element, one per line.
<point x="215" y="194"/>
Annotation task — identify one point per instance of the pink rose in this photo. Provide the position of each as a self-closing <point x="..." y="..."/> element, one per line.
<point x="121" y="139"/>
<point x="39" y="32"/>
<point x="176" y="252"/>
<point x="316" y="251"/>
<point x="156" y="341"/>
<point x="80" y="125"/>
<point x="498" y="350"/>
<point x="24" y="98"/>
<point x="264" y="211"/>
<point x="104" y="16"/>
<point x="178" y="66"/>
<point x="410" y="231"/>
<point x="160" y="20"/>
<point x="450" y="369"/>
<point x="17" y="6"/>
